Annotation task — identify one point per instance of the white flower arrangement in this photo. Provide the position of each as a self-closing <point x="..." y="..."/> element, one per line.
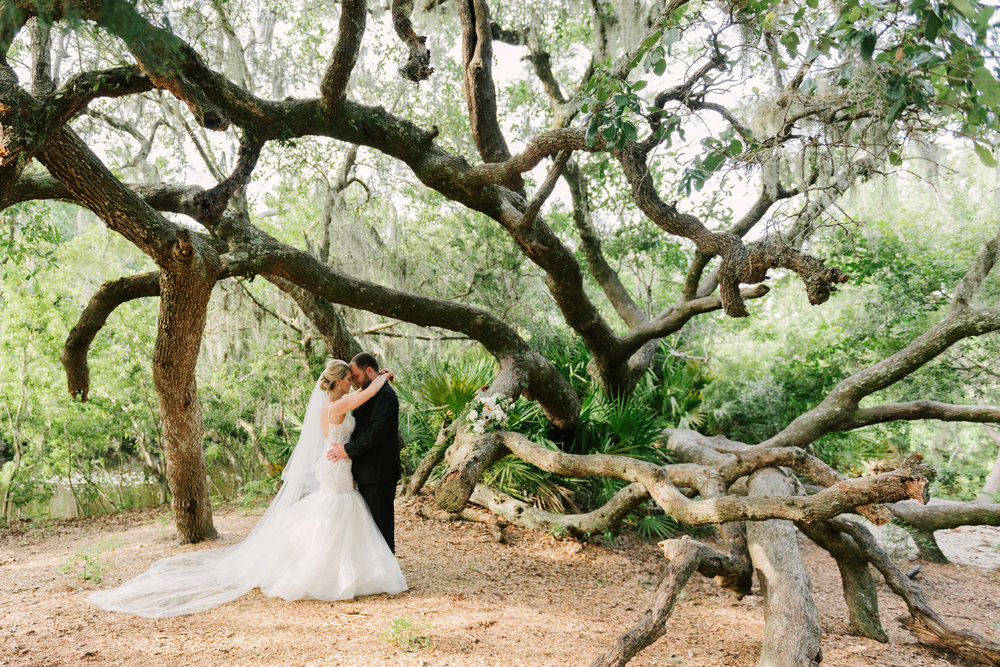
<point x="488" y="413"/>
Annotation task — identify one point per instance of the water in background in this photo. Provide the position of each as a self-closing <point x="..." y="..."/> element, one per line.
<point x="109" y="492"/>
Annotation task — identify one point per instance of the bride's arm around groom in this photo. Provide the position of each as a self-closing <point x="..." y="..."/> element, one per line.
<point x="374" y="446"/>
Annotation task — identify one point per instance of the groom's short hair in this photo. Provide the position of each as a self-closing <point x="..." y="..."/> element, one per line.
<point x="364" y="360"/>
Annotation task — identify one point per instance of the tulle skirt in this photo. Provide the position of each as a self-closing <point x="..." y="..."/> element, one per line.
<point x="324" y="547"/>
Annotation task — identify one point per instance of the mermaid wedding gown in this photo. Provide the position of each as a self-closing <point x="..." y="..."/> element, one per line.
<point x="317" y="540"/>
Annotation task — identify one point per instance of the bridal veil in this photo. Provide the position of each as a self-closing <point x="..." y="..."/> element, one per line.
<point x="193" y="582"/>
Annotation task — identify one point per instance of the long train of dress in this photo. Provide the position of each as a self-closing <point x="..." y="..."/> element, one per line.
<point x="324" y="546"/>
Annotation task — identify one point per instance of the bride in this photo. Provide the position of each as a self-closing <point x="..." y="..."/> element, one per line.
<point x="317" y="539"/>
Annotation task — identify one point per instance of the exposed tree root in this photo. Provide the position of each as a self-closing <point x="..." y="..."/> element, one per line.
<point x="495" y="525"/>
<point x="924" y="623"/>
<point x="607" y="517"/>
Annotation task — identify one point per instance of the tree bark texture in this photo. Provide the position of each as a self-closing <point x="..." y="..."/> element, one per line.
<point x="859" y="585"/>
<point x="607" y="517"/>
<point x="924" y="622"/>
<point x="791" y="626"/>
<point x="183" y="305"/>
<point x="923" y="520"/>
<point x="651" y="625"/>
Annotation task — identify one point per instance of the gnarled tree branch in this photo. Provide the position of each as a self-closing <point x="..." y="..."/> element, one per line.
<point x="418" y="65"/>
<point x="109" y="296"/>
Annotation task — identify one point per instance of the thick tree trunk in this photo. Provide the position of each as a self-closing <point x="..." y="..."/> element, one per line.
<point x="183" y="303"/>
<point x="791" y="626"/>
<point x="468" y="458"/>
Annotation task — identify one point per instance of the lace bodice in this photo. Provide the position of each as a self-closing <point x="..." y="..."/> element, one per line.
<point x="335" y="476"/>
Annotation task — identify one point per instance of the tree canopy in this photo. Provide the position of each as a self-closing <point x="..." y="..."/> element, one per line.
<point x="573" y="187"/>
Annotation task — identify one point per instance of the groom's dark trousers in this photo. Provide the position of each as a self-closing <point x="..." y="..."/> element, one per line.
<point x="374" y="452"/>
<point x="379" y="498"/>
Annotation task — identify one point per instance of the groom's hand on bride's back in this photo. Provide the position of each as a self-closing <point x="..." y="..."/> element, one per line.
<point x="336" y="452"/>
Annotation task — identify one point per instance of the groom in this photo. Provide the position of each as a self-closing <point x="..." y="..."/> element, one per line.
<point x="374" y="447"/>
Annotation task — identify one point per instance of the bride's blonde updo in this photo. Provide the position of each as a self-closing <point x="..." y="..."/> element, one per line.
<point x="335" y="370"/>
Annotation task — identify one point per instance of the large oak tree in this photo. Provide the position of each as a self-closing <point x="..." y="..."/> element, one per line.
<point x="838" y="88"/>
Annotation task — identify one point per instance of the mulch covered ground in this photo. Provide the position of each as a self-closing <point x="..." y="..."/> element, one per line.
<point x="533" y="600"/>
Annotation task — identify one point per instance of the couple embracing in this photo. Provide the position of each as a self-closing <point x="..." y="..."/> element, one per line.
<point x="329" y="532"/>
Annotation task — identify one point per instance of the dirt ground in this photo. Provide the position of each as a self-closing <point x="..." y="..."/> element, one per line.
<point x="472" y="601"/>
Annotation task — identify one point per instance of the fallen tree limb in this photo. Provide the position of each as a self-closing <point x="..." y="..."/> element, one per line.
<point x="909" y="481"/>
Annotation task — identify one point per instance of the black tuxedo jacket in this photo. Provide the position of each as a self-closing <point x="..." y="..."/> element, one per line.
<point x="374" y="445"/>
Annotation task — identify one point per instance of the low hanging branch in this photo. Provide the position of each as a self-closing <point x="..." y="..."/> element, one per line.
<point x="908" y="481"/>
<point x="840" y="411"/>
<point x="924" y="520"/>
<point x="607" y="517"/>
<point x="108" y="297"/>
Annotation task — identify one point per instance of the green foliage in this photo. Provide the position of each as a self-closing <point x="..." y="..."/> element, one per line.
<point x="433" y="398"/>
<point x="902" y="272"/>
<point x="655" y="527"/>
<point x="258" y="492"/>
<point x="409" y="634"/>
<point x="28" y="238"/>
<point x="89" y="563"/>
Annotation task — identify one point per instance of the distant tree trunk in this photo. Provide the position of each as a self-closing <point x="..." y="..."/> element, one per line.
<point x="992" y="485"/>
<point x="183" y="306"/>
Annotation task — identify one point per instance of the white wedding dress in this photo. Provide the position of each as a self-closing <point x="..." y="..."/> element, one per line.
<point x="317" y="540"/>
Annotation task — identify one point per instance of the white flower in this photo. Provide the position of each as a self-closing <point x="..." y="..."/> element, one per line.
<point x="473" y="415"/>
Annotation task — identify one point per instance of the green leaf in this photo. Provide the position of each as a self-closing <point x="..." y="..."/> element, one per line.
<point x="985" y="155"/>
<point x="867" y="44"/>
<point x="610" y="132"/>
<point x="639" y="85"/>
<point x="931" y="26"/>
<point x="630" y="132"/>
<point x="965" y="7"/>
<point x="592" y="131"/>
<point x="660" y="67"/>
<point x="621" y="101"/>
<point x="652" y="39"/>
<point x="713" y="162"/>
<point x="896" y="109"/>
